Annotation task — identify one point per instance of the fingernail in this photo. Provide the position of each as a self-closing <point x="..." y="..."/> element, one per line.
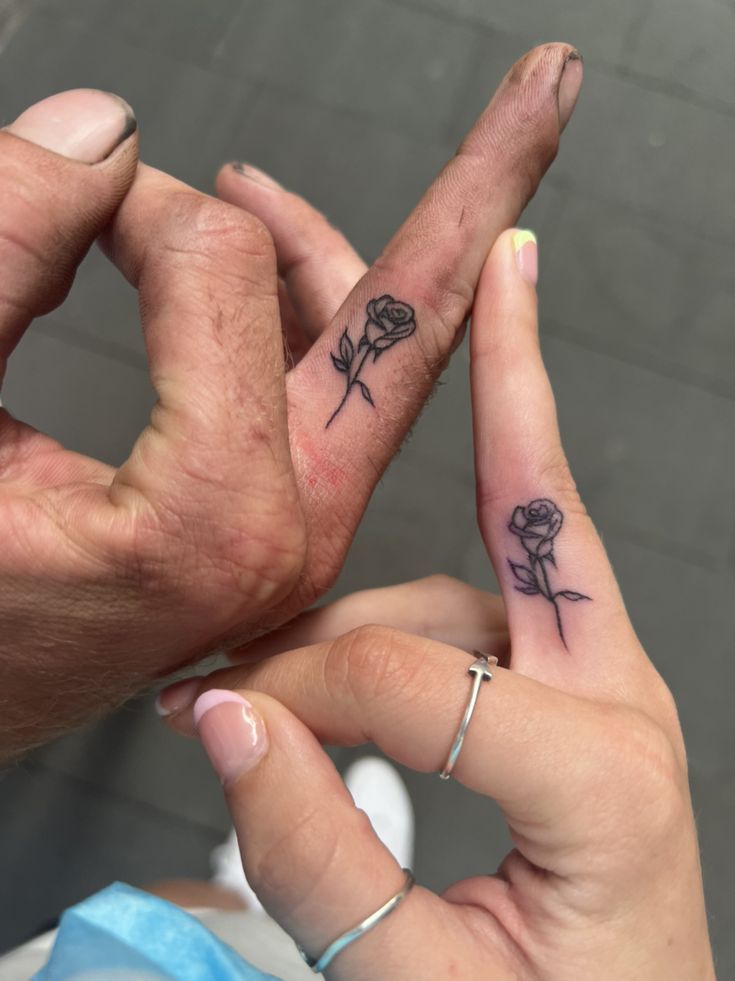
<point x="231" y="731"/>
<point x="569" y="86"/>
<point x="82" y="124"/>
<point x="525" y="246"/>
<point x="254" y="174"/>
<point x="177" y="696"/>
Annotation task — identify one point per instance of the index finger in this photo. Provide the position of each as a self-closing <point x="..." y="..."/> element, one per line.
<point x="407" y="696"/>
<point x="566" y="618"/>
<point x="213" y="466"/>
<point x="354" y="397"/>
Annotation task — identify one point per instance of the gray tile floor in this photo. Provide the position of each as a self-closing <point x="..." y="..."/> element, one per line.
<point x="356" y="103"/>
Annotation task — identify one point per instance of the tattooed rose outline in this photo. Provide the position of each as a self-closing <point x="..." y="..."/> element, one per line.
<point x="388" y="321"/>
<point x="537" y="524"/>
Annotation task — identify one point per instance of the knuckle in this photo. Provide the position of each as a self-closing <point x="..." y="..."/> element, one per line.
<point x="197" y="226"/>
<point x="372" y="663"/>
<point x="309" y="845"/>
<point x="248" y="565"/>
<point x="226" y="570"/>
<point x="440" y="582"/>
<point x="449" y="302"/>
<point x="547" y="467"/>
<point x="317" y="845"/>
<point x="442" y="299"/>
<point x="653" y="773"/>
<point x="553" y="470"/>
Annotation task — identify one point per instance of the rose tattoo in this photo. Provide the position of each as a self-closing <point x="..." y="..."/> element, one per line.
<point x="388" y="321"/>
<point x="537" y="525"/>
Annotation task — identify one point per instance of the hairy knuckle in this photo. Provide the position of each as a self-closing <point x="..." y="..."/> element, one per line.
<point x="197" y="227"/>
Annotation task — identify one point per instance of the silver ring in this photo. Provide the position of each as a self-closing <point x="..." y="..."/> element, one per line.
<point x="321" y="963"/>
<point x="480" y="669"/>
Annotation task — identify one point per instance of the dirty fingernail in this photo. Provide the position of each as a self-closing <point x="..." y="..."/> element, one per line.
<point x="82" y="124"/>
<point x="569" y="86"/>
<point x="257" y="175"/>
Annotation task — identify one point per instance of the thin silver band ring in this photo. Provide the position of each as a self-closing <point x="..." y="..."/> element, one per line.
<point x="321" y="963"/>
<point x="480" y="669"/>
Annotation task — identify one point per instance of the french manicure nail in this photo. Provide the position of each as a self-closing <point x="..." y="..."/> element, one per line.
<point x="82" y="124"/>
<point x="178" y="696"/>
<point x="525" y="246"/>
<point x="257" y="175"/>
<point x="232" y="732"/>
<point x="569" y="86"/>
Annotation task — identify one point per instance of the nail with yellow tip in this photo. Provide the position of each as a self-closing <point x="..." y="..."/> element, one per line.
<point x="525" y="247"/>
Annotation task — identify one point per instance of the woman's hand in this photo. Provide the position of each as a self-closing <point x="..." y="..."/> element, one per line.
<point x="237" y="504"/>
<point x="578" y="742"/>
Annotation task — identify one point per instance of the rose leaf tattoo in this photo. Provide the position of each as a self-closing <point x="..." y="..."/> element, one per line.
<point x="537" y="525"/>
<point x="388" y="321"/>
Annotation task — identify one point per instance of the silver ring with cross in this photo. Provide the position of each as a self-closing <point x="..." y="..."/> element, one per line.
<point x="480" y="672"/>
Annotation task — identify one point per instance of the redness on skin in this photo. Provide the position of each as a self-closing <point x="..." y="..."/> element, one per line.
<point x="316" y="465"/>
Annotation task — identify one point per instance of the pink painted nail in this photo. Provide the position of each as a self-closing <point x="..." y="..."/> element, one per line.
<point x="177" y="696"/>
<point x="83" y="124"/>
<point x="526" y="250"/>
<point x="231" y="731"/>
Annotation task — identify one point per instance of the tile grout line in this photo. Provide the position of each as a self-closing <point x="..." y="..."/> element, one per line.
<point x="681" y="93"/>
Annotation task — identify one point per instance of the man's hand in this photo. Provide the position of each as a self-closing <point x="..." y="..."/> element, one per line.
<point x="240" y="499"/>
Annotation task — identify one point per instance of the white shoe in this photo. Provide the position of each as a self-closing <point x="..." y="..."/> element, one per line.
<point x="376" y="789"/>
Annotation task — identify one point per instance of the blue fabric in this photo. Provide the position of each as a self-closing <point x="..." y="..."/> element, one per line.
<point x="127" y="934"/>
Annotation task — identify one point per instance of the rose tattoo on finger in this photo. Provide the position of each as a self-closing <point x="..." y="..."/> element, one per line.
<point x="537" y="525"/>
<point x="388" y="321"/>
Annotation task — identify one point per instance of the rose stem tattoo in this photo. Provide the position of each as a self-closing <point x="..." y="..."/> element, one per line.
<point x="388" y="321"/>
<point x="537" y="525"/>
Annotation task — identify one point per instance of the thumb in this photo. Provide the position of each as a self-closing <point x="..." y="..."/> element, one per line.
<point x="311" y="856"/>
<point x="65" y="165"/>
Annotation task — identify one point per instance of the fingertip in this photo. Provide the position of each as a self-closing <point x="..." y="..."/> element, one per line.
<point x="508" y="280"/>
